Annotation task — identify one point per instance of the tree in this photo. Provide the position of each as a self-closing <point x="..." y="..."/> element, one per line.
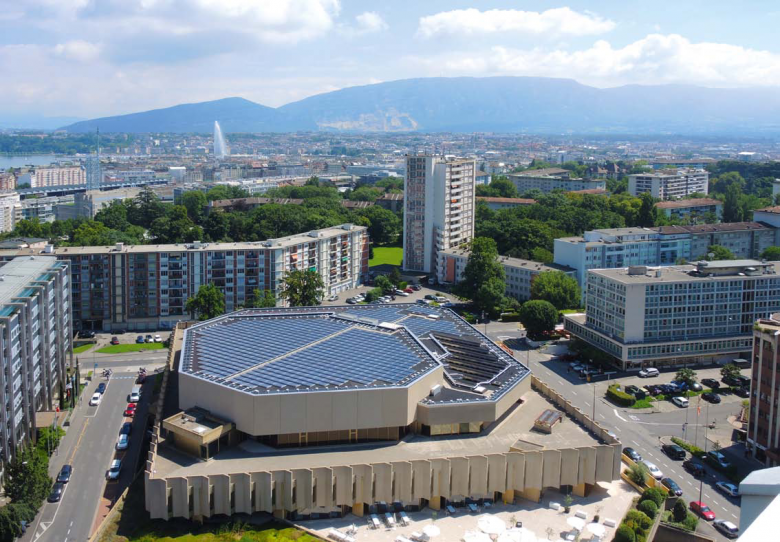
<point x="384" y="284"/>
<point x="28" y="479"/>
<point x="648" y="214"/>
<point x="686" y="375"/>
<point x="208" y="303"/>
<point x="481" y="266"/>
<point x="729" y="371"/>
<point x="538" y="317"/>
<point x="719" y="253"/>
<point x="732" y="210"/>
<point x="543" y="255"/>
<point x="490" y="295"/>
<point x="771" y="254"/>
<point x="261" y="299"/>
<point x="385" y="225"/>
<point x="195" y="202"/>
<point x="302" y="288"/>
<point x="679" y="511"/>
<point x="624" y="533"/>
<point x="395" y="276"/>
<point x="175" y="227"/>
<point x="638" y="474"/>
<point x="145" y="208"/>
<point x="373" y="294"/>
<point x="558" y="288"/>
<point x="113" y="215"/>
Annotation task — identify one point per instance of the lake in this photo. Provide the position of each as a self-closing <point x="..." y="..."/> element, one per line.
<point x="7" y="161"/>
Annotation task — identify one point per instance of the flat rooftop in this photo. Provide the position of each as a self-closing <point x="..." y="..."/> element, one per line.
<point x="684" y="203"/>
<point x="16" y="275"/>
<point x="514" y="429"/>
<point x="282" y="350"/>
<point x="741" y="269"/>
<point x="516" y="262"/>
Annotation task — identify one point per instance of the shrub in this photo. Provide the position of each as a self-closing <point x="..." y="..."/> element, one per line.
<point x="648" y="507"/>
<point x="639" y="518"/>
<point x="655" y="495"/>
<point x="690" y="521"/>
<point x="688" y="447"/>
<point x="637" y="473"/>
<point x="680" y="511"/>
<point x="620" y="397"/>
<point x="624" y="533"/>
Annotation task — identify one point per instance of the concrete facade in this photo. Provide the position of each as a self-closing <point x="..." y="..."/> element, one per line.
<point x="764" y="427"/>
<point x="668" y="184"/>
<point x="550" y="179"/>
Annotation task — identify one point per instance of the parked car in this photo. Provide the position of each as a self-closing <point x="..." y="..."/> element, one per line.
<point x="681" y="402"/>
<point x="126" y="429"/>
<point x="654" y="471"/>
<point x="742" y="392"/>
<point x="56" y="492"/>
<point x="728" y="488"/>
<point x="726" y="528"/>
<point x="416" y="287"/>
<point x="673" y="451"/>
<point x="139" y="339"/>
<point x="65" y="472"/>
<point x="130" y="410"/>
<point x="653" y="389"/>
<point x="633" y="390"/>
<point x="672" y="486"/>
<point x="333" y="297"/>
<point x="696" y="387"/>
<point x="424" y="301"/>
<point x="157" y="338"/>
<point x="711" y="383"/>
<point x="101" y="388"/>
<point x="696" y="469"/>
<point x="409" y="290"/>
<point x="114" y="469"/>
<point x="352" y="301"/>
<point x="114" y="340"/>
<point x="718" y="459"/>
<point x="711" y="397"/>
<point x="123" y="442"/>
<point x="649" y="372"/>
<point x="440" y="299"/>
<point x="698" y="507"/>
<point x="95" y="401"/>
<point x="402" y="293"/>
<point x="149" y="339"/>
<point x="87" y="334"/>
<point x="430" y="297"/>
<point x="632" y="454"/>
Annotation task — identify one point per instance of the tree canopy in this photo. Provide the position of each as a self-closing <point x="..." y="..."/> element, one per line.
<point x="208" y="303"/>
<point x="302" y="288"/>
<point x="558" y="288"/>
<point x="538" y="317"/>
<point x="483" y="274"/>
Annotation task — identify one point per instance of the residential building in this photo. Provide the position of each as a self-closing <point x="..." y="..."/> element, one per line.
<point x="391" y="202"/>
<point x="354" y="375"/>
<point x="57" y="176"/>
<point x="764" y="426"/>
<point x="10" y="205"/>
<point x="88" y="203"/>
<point x="140" y="176"/>
<point x="35" y="331"/>
<point x="669" y="184"/>
<point x="438" y="209"/>
<point x="759" y="505"/>
<point x="520" y="273"/>
<point x="695" y="163"/>
<point x="769" y="216"/>
<point x="7" y="181"/>
<point x="691" y="209"/>
<point x="146" y="287"/>
<point x="665" y="245"/>
<point x="550" y="179"/>
<point x="676" y="315"/>
<point x="497" y="204"/>
<point x="44" y="209"/>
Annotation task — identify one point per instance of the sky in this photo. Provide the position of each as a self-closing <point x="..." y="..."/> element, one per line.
<point x="89" y="58"/>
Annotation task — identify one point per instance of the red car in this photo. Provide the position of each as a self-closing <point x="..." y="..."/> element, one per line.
<point x="409" y="290"/>
<point x="698" y="507"/>
<point x="130" y="410"/>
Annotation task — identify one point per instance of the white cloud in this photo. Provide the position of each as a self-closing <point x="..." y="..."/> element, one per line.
<point x="78" y="50"/>
<point x="559" y="21"/>
<point x="655" y="59"/>
<point x="370" y="22"/>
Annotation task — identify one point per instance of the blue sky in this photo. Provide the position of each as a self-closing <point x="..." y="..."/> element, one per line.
<point x="101" y="57"/>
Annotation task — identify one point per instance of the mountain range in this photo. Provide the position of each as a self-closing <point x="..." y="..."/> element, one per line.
<point x="465" y="104"/>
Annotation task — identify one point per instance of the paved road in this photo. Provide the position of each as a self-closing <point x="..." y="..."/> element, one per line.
<point x="90" y="446"/>
<point x="639" y="431"/>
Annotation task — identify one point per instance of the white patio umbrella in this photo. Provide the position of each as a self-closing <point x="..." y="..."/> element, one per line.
<point x="597" y="529"/>
<point x="517" y="535"/>
<point x="576" y="523"/>
<point x="491" y="525"/>
<point x="476" y="536"/>
<point x="431" y="531"/>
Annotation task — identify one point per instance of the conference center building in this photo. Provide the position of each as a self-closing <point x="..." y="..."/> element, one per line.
<point x="316" y="411"/>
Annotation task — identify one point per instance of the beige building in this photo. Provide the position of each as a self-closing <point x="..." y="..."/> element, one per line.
<point x="10" y="206"/>
<point x="667" y="184"/>
<point x="250" y="413"/>
<point x="58" y="176"/>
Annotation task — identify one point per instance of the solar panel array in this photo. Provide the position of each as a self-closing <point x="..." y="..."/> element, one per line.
<point x="337" y="361"/>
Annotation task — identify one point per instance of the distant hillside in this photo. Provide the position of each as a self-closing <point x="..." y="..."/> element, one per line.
<point x="499" y="104"/>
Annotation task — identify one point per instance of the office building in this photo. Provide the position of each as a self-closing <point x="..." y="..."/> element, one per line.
<point x="146" y="287"/>
<point x="676" y="315"/>
<point x="57" y="176"/>
<point x="450" y="411"/>
<point x="496" y="204"/>
<point x="665" y="245"/>
<point x="759" y="505"/>
<point x="35" y="326"/>
<point x="668" y="184"/>
<point x="10" y="205"/>
<point x="438" y="209"/>
<point x="550" y="179"/>
<point x="44" y="209"/>
<point x="692" y="210"/>
<point x="7" y="181"/>
<point x="520" y="273"/>
<point x="764" y="422"/>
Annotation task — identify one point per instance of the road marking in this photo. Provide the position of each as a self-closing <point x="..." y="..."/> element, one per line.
<point x="634" y="418"/>
<point x="618" y="415"/>
<point x="587" y="403"/>
<point x="716" y="503"/>
<point x="673" y="471"/>
<point x="732" y="515"/>
<point x="572" y="392"/>
<point x="78" y="443"/>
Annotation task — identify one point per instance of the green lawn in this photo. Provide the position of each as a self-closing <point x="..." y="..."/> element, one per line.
<point x="82" y="348"/>
<point x="386" y="255"/>
<point x="122" y="348"/>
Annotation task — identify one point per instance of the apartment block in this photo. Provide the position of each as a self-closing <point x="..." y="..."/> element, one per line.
<point x="550" y="179"/>
<point x="57" y="176"/>
<point x="520" y="273"/>
<point x="764" y="426"/>
<point x="496" y="204"/>
<point x="44" y="209"/>
<point x="669" y="184"/>
<point x="35" y="331"/>
<point x="146" y="287"/>
<point x="665" y="245"/>
<point x="7" y="181"/>
<point x="438" y="209"/>
<point x="691" y="209"/>
<point x="9" y="207"/>
<point x="676" y="315"/>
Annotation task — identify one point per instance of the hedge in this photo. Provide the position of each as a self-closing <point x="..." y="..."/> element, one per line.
<point x="648" y="507"/>
<point x="655" y="495"/>
<point x="620" y="397"/>
<point x="688" y="447"/>
<point x="624" y="533"/>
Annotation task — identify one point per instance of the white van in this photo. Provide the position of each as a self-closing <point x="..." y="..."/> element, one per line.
<point x="649" y="372"/>
<point x="681" y="402"/>
<point x="135" y="394"/>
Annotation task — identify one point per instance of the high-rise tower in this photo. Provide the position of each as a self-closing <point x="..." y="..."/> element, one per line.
<point x="94" y="173"/>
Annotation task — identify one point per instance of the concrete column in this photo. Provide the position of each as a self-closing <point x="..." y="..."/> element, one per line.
<point x="279" y="514"/>
<point x="357" y="509"/>
<point x="579" y="490"/>
<point x="435" y="502"/>
<point x="508" y="496"/>
<point x="531" y="494"/>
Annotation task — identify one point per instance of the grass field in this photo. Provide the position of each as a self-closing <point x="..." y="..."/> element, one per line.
<point x="82" y="348"/>
<point x="386" y="255"/>
<point x="122" y="348"/>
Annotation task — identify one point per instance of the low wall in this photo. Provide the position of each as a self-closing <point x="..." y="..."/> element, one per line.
<point x="667" y="533"/>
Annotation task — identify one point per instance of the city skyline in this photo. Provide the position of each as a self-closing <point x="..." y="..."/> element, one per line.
<point x="141" y="55"/>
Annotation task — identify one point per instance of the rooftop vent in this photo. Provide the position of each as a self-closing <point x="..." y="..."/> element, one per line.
<point x="637" y="270"/>
<point x="119" y="247"/>
<point x="48" y="249"/>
